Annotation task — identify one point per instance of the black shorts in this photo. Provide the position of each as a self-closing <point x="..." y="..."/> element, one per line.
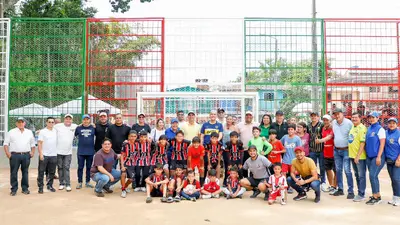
<point x="130" y="172"/>
<point x="156" y="192"/>
<point x="254" y="182"/>
<point x="235" y="163"/>
<point x="175" y="163"/>
<point x="329" y="163"/>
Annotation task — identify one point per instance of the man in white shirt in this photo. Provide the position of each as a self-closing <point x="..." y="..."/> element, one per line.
<point x="246" y="133"/>
<point x="65" y="138"/>
<point x="47" y="146"/>
<point x="221" y="116"/>
<point x="181" y="118"/>
<point x="19" y="147"/>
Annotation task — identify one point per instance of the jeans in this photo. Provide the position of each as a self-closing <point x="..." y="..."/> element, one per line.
<point x="103" y="181"/>
<point x="188" y="197"/>
<point x="63" y="164"/>
<point x="16" y="161"/>
<point x="81" y="163"/>
<point x="342" y="160"/>
<point x="374" y="171"/>
<point x="49" y="163"/>
<point x="394" y="173"/>
<point x="319" y="156"/>
<point x="360" y="171"/>
<point x="315" y="185"/>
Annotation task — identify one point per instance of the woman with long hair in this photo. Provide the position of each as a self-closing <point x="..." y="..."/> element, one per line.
<point x="158" y="130"/>
<point x="265" y="125"/>
<point x="304" y="136"/>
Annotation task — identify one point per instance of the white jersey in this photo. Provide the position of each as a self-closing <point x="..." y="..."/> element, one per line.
<point x="277" y="182"/>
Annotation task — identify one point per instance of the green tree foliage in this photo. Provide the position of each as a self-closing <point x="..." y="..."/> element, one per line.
<point x="56" y="9"/>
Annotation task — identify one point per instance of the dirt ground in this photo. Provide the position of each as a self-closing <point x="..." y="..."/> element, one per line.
<point x="83" y="207"/>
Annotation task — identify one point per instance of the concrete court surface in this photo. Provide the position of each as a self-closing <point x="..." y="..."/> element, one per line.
<point x="83" y="207"/>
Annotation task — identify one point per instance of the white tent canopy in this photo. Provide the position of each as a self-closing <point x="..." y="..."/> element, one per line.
<point x="94" y="105"/>
<point x="34" y="110"/>
<point x="303" y="107"/>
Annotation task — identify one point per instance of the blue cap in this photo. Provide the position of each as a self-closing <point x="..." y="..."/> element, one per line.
<point x="392" y="119"/>
<point x="174" y="120"/>
<point x="86" y="116"/>
<point x="374" y="114"/>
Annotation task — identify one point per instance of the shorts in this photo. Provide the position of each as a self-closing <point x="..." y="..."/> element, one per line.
<point x="175" y="163"/>
<point x="130" y="172"/>
<point x="273" y="195"/>
<point x="329" y="163"/>
<point x="286" y="168"/>
<point x="198" y="167"/>
<point x="235" y="163"/>
<point x="157" y="192"/>
<point x="254" y="182"/>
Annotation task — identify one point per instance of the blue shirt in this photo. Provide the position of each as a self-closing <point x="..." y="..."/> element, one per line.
<point x="85" y="139"/>
<point x="290" y="144"/>
<point x="392" y="144"/>
<point x="170" y="135"/>
<point x="372" y="139"/>
<point x="208" y="128"/>
<point x="341" y="133"/>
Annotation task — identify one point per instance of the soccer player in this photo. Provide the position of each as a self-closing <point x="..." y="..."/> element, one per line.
<point x="278" y="185"/>
<point x="142" y="169"/>
<point x="235" y="151"/>
<point x="275" y="156"/>
<point x="214" y="152"/>
<point x="196" y="157"/>
<point x="211" y="189"/>
<point x="191" y="187"/>
<point x="128" y="161"/>
<point x="156" y="184"/>
<point x="179" y="151"/>
<point x="160" y="154"/>
<point x="175" y="184"/>
<point x="233" y="189"/>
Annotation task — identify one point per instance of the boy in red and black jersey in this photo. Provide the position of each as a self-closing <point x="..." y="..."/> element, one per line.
<point x="179" y="151"/>
<point x="127" y="161"/>
<point x="214" y="151"/>
<point x="156" y="184"/>
<point x="175" y="183"/>
<point x="234" y="150"/>
<point x="160" y="154"/>
<point x="142" y="160"/>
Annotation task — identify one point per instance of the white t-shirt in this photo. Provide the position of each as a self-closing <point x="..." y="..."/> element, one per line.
<point x="181" y="123"/>
<point x="381" y="133"/>
<point x="49" y="138"/>
<point x="155" y="134"/>
<point x="65" y="137"/>
<point x="246" y="132"/>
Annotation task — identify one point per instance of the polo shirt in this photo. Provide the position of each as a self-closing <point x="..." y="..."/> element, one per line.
<point x="19" y="141"/>
<point x="49" y="139"/>
<point x="356" y="136"/>
<point x="190" y="130"/>
<point x="341" y="133"/>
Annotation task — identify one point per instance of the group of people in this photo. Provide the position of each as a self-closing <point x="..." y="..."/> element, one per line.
<point x="218" y="158"/>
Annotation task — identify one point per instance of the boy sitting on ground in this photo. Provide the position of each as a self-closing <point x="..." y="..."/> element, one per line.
<point x="211" y="189"/>
<point x="175" y="184"/>
<point x="156" y="184"/>
<point x="191" y="187"/>
<point x="233" y="189"/>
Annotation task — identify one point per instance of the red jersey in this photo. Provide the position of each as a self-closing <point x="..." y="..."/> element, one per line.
<point x="144" y="152"/>
<point x="160" y="155"/>
<point x="329" y="145"/>
<point x="213" y="150"/>
<point x="234" y="150"/>
<point x="129" y="151"/>
<point x="196" y="154"/>
<point x="276" y="146"/>
<point x="174" y="177"/>
<point x="211" y="187"/>
<point x="179" y="149"/>
<point x="195" y="183"/>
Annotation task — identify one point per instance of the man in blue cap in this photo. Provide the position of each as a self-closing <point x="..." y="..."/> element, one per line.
<point x="86" y="135"/>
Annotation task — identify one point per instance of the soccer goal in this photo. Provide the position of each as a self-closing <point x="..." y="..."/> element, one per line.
<point x="166" y="104"/>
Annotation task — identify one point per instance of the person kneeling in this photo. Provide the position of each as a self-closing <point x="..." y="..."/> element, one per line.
<point x="211" y="188"/>
<point x="156" y="184"/>
<point x="233" y="189"/>
<point x="191" y="187"/>
<point x="278" y="185"/>
<point x="308" y="176"/>
<point x="102" y="171"/>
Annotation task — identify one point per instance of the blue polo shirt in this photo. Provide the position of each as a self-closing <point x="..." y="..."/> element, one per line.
<point x="341" y="133"/>
<point x="392" y="144"/>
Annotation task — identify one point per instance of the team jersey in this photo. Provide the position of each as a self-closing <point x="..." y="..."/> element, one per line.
<point x="196" y="154"/>
<point x="328" y="146"/>
<point x="195" y="183"/>
<point x="143" y="153"/>
<point x="234" y="183"/>
<point x="213" y="151"/>
<point x="174" y="177"/>
<point x="179" y="149"/>
<point x="154" y="178"/>
<point x="275" y="182"/>
<point x="160" y="155"/>
<point x="234" y="150"/>
<point x="130" y="153"/>
<point x="274" y="157"/>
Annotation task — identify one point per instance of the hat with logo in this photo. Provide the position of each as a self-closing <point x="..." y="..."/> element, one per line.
<point x="68" y="115"/>
<point x="373" y="114"/>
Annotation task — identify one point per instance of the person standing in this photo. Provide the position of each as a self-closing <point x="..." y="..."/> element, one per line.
<point x="280" y="125"/>
<point x="171" y="133"/>
<point x="246" y="134"/>
<point x="101" y="130"/>
<point x="47" y="147"/>
<point x="19" y="147"/>
<point x="191" y="129"/>
<point x="86" y="135"/>
<point x="180" y="115"/>
<point x="221" y="116"/>
<point x="65" y="138"/>
<point x="358" y="155"/>
<point x="265" y="125"/>
<point x="341" y="131"/>
<point x="157" y="131"/>
<point x="118" y="133"/>
<point x="392" y="154"/>
<point x="317" y="149"/>
<point x="301" y="131"/>
<point x="374" y="146"/>
<point x="139" y="126"/>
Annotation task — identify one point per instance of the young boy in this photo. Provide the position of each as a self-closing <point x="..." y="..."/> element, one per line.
<point x="160" y="154"/>
<point x="196" y="157"/>
<point x="277" y="185"/>
<point x="175" y="184"/>
<point x="233" y="189"/>
<point x="142" y="168"/>
<point x="179" y="151"/>
<point x="127" y="162"/>
<point x="261" y="143"/>
<point x="214" y="151"/>
<point x="234" y="148"/>
<point x="277" y="148"/>
<point x="211" y="189"/>
<point x="191" y="187"/>
<point x="156" y="184"/>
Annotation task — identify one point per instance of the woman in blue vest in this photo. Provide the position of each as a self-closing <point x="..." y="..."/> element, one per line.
<point x="374" y="146"/>
<point x="392" y="153"/>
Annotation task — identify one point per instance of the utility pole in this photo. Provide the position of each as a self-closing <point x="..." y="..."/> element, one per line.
<point x="315" y="71"/>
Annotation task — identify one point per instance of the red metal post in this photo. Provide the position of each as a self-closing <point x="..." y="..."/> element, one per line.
<point x="162" y="65"/>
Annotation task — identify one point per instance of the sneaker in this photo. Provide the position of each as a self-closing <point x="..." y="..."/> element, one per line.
<point x="300" y="196"/>
<point x="26" y="192"/>
<point x="177" y="198"/>
<point x="283" y="201"/>
<point x="206" y="196"/>
<point x="240" y="196"/>
<point x="256" y="192"/>
<point x="358" y="198"/>
<point x="149" y="200"/>
<point x="332" y="190"/>
<point x="68" y="188"/>
<point x="325" y="187"/>
<point x="128" y="190"/>
<point x="266" y="196"/>
<point x="99" y="194"/>
<point x="338" y="192"/>
<point x="215" y="196"/>
<point x="193" y="199"/>
<point x="391" y="202"/>
<point x="397" y="201"/>
<point x="317" y="198"/>
<point x="123" y="194"/>
<point x="50" y="188"/>
<point x="350" y="196"/>
<point x="137" y="189"/>
<point x="143" y="189"/>
<point x="79" y="186"/>
<point x="170" y="200"/>
<point x="290" y="190"/>
<point x="108" y="190"/>
<point x="164" y="199"/>
<point x="61" y="187"/>
<point x="40" y="191"/>
<point x="89" y="185"/>
<point x="373" y="201"/>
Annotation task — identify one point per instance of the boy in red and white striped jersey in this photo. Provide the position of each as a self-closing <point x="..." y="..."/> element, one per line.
<point x="160" y="154"/>
<point x="128" y="155"/>
<point x="179" y="152"/>
<point x="277" y="185"/>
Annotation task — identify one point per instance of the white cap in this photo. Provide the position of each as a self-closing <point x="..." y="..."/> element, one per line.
<point x="249" y="112"/>
<point x="68" y="115"/>
<point x="103" y="114"/>
<point x="328" y="117"/>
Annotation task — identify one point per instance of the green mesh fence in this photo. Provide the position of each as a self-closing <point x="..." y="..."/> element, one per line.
<point x="46" y="69"/>
<point x="284" y="64"/>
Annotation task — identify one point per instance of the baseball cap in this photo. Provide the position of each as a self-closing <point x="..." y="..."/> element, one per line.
<point x="328" y="117"/>
<point x="279" y="112"/>
<point x="392" y="119"/>
<point x="142" y="114"/>
<point x="68" y="115"/>
<point x="20" y="119"/>
<point x="103" y="114"/>
<point x="299" y="148"/>
<point x="221" y="110"/>
<point x="314" y="113"/>
<point x="373" y="114"/>
<point x="338" y="110"/>
<point x="85" y="116"/>
<point x="249" y="112"/>
<point x="191" y="112"/>
<point x="174" y="120"/>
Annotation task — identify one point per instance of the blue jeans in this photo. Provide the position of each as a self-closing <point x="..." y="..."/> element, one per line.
<point x="342" y="160"/>
<point x="188" y="197"/>
<point x="319" y="156"/>
<point x="394" y="173"/>
<point x="315" y="185"/>
<point x="103" y="180"/>
<point x="360" y="170"/>
<point x="374" y="171"/>
<point x="82" y="160"/>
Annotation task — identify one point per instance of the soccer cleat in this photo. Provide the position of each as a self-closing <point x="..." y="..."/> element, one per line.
<point x="373" y="201"/>
<point x="61" y="187"/>
<point x="123" y="194"/>
<point x="79" y="186"/>
<point x="300" y="196"/>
